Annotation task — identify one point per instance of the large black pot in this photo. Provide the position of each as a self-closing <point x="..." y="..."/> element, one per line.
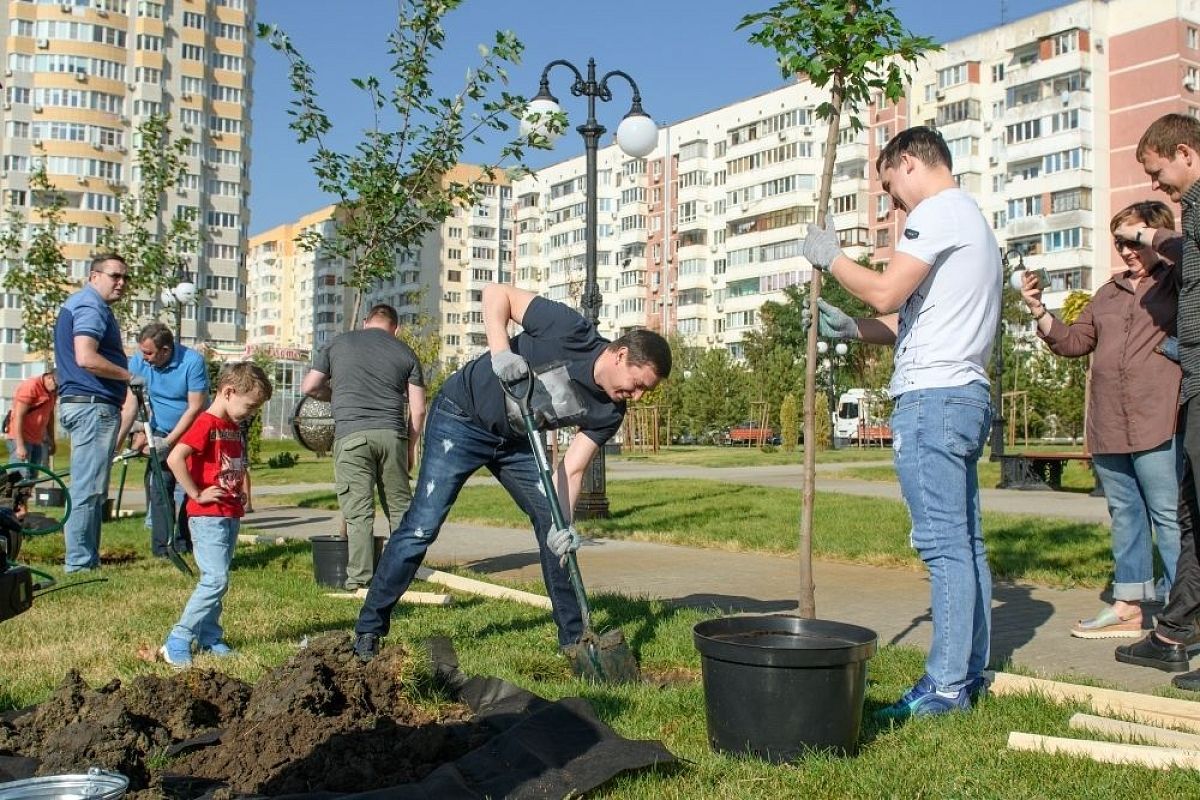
<point x="776" y="686"/>
<point x="330" y="555"/>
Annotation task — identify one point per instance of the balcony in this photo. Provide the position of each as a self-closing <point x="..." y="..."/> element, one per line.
<point x="1049" y="68"/>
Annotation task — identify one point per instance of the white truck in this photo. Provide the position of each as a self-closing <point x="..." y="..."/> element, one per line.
<point x="858" y="419"/>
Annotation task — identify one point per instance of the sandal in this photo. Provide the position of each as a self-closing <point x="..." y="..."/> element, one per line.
<point x="1107" y="625"/>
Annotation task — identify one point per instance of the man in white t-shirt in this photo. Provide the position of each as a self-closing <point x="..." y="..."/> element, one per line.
<point x="940" y="295"/>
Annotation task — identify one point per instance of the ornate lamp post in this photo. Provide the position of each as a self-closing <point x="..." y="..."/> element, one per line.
<point x="637" y="136"/>
<point x="831" y="365"/>
<point x="175" y="297"/>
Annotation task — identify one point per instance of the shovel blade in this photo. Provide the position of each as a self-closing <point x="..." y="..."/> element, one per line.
<point x="604" y="658"/>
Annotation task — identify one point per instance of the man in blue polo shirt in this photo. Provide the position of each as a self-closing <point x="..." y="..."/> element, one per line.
<point x="177" y="390"/>
<point x="93" y="378"/>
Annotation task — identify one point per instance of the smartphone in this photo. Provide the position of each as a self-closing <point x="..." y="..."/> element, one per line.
<point x="1018" y="276"/>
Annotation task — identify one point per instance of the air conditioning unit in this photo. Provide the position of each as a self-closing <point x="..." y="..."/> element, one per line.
<point x="187" y="128"/>
<point x="783" y="136"/>
<point x="8" y="73"/>
<point x="65" y="8"/>
<point x="132" y="87"/>
<point x="987" y="126"/>
<point x="7" y="106"/>
<point x="101" y="11"/>
<point x="124" y="120"/>
<point x="939" y="95"/>
<point x="122" y="148"/>
<point x="186" y="96"/>
<point x="181" y="191"/>
<point x="37" y="108"/>
<point x="993" y="161"/>
<point x="807" y="131"/>
<point x="81" y="77"/>
<point x="712" y="248"/>
<point x="215" y="135"/>
<point x="97" y="146"/>
<point x="82" y="180"/>
<point x="116" y="186"/>
<point x="720" y="306"/>
<point x="43" y="44"/>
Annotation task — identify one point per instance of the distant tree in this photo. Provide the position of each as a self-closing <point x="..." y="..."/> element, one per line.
<point x="392" y="187"/>
<point x="37" y="271"/>
<point x="858" y="49"/>
<point x="715" y="396"/>
<point x="156" y="245"/>
<point x="789" y="422"/>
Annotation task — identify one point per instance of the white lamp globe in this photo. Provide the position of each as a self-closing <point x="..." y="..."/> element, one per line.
<point x="185" y="291"/>
<point x="822" y="347"/>
<point x="1017" y="279"/>
<point x="637" y="135"/>
<point x="537" y="117"/>
<point x="841" y="349"/>
<point x="167" y="297"/>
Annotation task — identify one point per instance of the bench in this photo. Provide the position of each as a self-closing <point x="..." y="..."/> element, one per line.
<point x="1034" y="470"/>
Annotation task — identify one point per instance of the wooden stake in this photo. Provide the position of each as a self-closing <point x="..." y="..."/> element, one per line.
<point x="481" y="588"/>
<point x="1106" y="752"/>
<point x="1143" y="707"/>
<point x="1148" y="734"/>
<point x="413" y="598"/>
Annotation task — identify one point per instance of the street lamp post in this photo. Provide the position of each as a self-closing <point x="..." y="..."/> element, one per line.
<point x="184" y="291"/>
<point x="637" y="136"/>
<point x="997" y="433"/>
<point x="831" y="365"/>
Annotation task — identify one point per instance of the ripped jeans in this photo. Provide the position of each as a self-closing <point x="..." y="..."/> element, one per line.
<point x="455" y="447"/>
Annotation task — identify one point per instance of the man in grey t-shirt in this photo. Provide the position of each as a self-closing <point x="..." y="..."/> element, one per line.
<point x="371" y="376"/>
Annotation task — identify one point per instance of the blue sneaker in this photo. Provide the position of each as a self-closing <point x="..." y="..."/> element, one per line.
<point x="176" y="652"/>
<point x="924" y="700"/>
<point x="218" y="648"/>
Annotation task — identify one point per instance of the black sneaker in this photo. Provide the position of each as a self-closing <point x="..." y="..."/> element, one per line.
<point x="366" y="646"/>
<point x="1189" y="681"/>
<point x="1154" y="652"/>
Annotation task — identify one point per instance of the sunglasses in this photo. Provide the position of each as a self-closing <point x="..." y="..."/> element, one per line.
<point x="117" y="276"/>
<point x="1126" y="244"/>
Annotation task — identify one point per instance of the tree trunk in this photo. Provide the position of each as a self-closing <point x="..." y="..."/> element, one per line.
<point x="808" y="604"/>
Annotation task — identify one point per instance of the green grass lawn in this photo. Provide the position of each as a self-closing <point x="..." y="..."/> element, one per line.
<point x="861" y="530"/>
<point x="273" y="604"/>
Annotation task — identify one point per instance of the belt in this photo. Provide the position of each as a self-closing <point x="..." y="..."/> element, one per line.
<point x="90" y="399"/>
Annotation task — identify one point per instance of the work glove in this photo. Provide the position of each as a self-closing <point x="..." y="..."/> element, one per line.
<point x="832" y="322"/>
<point x="562" y="541"/>
<point x="137" y="382"/>
<point x="160" y="446"/>
<point x="509" y="367"/>
<point x="1169" y="347"/>
<point x="821" y="245"/>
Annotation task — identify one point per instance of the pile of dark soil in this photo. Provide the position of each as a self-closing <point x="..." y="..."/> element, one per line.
<point x="321" y="721"/>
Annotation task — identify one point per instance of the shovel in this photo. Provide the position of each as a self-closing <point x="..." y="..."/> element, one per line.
<point x="156" y="479"/>
<point x="597" y="657"/>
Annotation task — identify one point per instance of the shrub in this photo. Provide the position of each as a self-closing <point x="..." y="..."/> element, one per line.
<point x="283" y="460"/>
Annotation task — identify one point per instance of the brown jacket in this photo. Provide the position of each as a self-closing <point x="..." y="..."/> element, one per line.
<point x="1134" y="396"/>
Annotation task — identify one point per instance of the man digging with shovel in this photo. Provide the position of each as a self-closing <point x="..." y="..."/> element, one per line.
<point x="582" y="379"/>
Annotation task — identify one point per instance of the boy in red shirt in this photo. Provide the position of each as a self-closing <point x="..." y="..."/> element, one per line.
<point x="209" y="462"/>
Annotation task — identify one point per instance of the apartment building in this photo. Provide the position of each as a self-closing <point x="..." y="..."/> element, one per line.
<point x="695" y="237"/>
<point x="298" y="298"/>
<point x="79" y="76"/>
<point x="1043" y="116"/>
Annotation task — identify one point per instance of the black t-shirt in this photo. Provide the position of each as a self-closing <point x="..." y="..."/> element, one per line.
<point x="552" y="332"/>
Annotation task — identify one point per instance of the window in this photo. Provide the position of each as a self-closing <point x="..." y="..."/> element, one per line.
<point x="1025" y="207"/>
<point x="1071" y="200"/>
<point x="1064" y="121"/>
<point x="1193" y="38"/>
<point x="193" y="20"/>
<point x="1024" y="131"/>
<point x="952" y="76"/>
<point x="997" y="72"/>
<point x="192" y="52"/>
<point x="696" y="149"/>
<point x="1069" y="239"/>
<point x="883" y="204"/>
<point x="145" y="8"/>
<point x="1067" y="42"/>
<point x="883" y="237"/>
<point x="232" y="63"/>
<point x="845" y="203"/>
<point x="1075" y="158"/>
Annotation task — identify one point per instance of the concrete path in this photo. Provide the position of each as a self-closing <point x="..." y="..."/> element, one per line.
<point x="1031" y="623"/>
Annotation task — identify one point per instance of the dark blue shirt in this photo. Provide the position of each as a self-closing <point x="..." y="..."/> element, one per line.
<point x="552" y="332"/>
<point x="86" y="314"/>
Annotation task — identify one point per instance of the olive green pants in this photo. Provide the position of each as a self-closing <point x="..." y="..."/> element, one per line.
<point x="365" y="462"/>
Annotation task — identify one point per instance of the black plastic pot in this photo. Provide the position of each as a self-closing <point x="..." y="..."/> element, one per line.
<point x="776" y="686"/>
<point x="330" y="554"/>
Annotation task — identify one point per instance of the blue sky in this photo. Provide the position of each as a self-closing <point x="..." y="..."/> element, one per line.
<point x="685" y="55"/>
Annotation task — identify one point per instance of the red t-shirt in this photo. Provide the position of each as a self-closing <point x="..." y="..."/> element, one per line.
<point x="33" y="392"/>
<point x="218" y="460"/>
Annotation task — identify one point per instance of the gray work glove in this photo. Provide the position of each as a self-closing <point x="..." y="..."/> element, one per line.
<point x="1169" y="347"/>
<point x="159" y="445"/>
<point x="821" y="245"/>
<point x="509" y="367"/>
<point x="562" y="541"/>
<point x="137" y="382"/>
<point x="832" y="322"/>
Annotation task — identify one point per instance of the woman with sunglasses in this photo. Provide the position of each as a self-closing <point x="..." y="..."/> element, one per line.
<point x="1128" y="328"/>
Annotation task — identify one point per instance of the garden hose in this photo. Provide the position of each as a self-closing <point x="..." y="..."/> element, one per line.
<point x="58" y="525"/>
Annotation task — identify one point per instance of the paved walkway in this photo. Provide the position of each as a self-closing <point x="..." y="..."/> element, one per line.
<point x="1031" y="623"/>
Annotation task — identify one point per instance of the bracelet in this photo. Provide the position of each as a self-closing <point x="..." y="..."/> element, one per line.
<point x="1038" y="317"/>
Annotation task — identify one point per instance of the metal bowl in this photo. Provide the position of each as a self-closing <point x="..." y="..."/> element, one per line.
<point x="312" y="425"/>
<point x="97" y="784"/>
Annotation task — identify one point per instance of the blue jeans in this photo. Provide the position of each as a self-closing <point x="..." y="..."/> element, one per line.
<point x="93" y="432"/>
<point x="34" y="454"/>
<point x="213" y="541"/>
<point x="455" y="447"/>
<point x="938" y="436"/>
<point x="1142" y="489"/>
